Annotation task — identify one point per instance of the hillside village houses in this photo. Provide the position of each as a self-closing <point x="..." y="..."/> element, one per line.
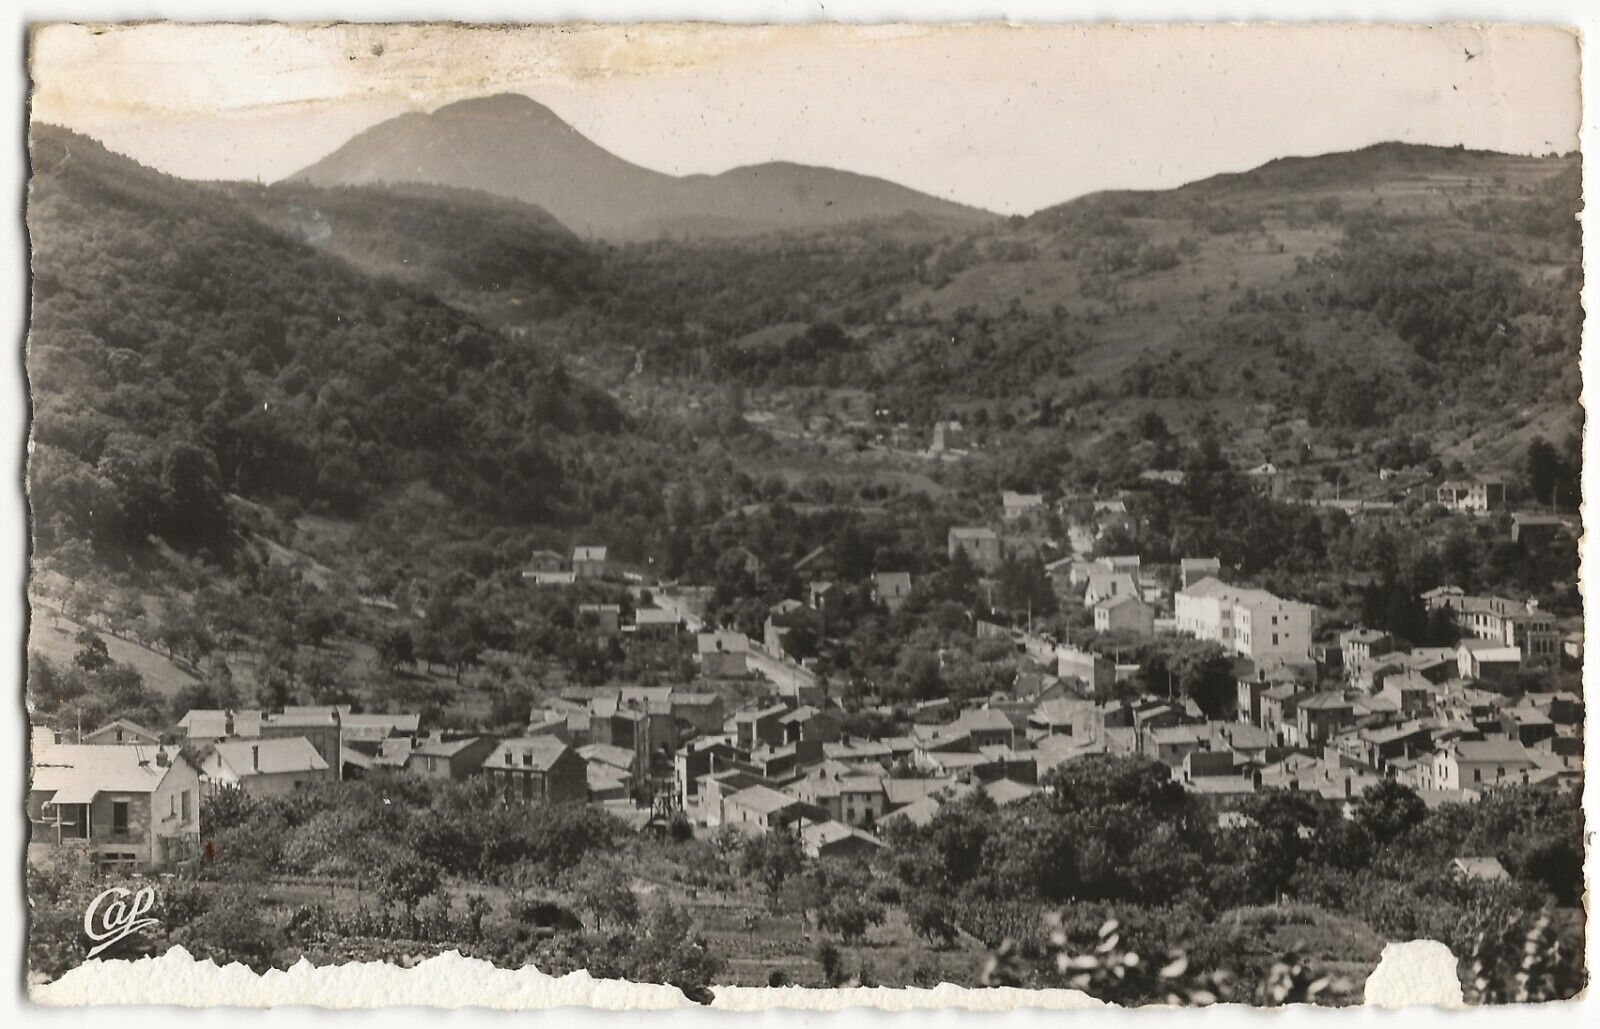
<point x="891" y="589"/>
<point x="589" y="562"/>
<point x="981" y="545"/>
<point x="1014" y="507"/>
<point x="1508" y="623"/>
<point x="656" y="623"/>
<point x="265" y="767"/>
<point x="130" y="806"/>
<point x="605" y="619"/>
<point x="948" y="436"/>
<point x="1475" y="495"/>
<point x="1250" y="622"/>
<point x="739" y="747"/>
<point x="122" y="730"/>
<point x="538" y="768"/>
<point x="1125" y="613"/>
<point x="723" y="655"/>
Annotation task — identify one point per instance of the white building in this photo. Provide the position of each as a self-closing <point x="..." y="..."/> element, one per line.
<point x="1249" y="622"/>
<point x="1016" y="506"/>
<point x="1478" y="765"/>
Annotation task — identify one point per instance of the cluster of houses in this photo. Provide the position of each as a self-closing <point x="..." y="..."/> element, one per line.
<point x="1334" y="719"/>
<point x="131" y="796"/>
<point x="548" y="568"/>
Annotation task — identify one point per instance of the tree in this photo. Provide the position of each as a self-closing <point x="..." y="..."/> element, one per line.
<point x="1550" y="479"/>
<point x="828" y="958"/>
<point x="604" y="891"/>
<point x="1442" y="628"/>
<point x="1205" y="675"/>
<point x="92" y="654"/>
<point x="917" y="675"/>
<point x="320" y="618"/>
<point x="670" y="951"/>
<point x="772" y="858"/>
<point x="1025" y="586"/>
<point x="930" y="919"/>
<point x="404" y="878"/>
<point x="194" y="509"/>
<point x="395" y="648"/>
<point x="1389" y="810"/>
<point x="850" y="915"/>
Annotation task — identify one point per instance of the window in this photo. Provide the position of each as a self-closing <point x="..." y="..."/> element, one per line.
<point x="119" y="817"/>
<point x="1477" y="775"/>
<point x="183" y="804"/>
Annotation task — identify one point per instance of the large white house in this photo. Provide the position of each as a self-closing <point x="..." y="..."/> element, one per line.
<point x="1249" y="622"/>
<point x="1478" y="765"/>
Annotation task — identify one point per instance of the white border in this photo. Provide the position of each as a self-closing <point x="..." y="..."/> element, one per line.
<point x="13" y="304"/>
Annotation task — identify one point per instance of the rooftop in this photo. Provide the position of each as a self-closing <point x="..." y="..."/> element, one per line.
<point x="535" y="752"/>
<point x="76" y="772"/>
<point x="241" y="758"/>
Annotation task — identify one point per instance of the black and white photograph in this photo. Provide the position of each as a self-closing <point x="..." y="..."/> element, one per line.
<point x="1079" y="507"/>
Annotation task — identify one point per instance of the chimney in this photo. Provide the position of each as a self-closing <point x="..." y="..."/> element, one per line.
<point x="162" y="760"/>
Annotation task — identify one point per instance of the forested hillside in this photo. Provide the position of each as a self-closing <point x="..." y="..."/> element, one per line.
<point x="260" y="340"/>
<point x="1371" y="301"/>
<point x="181" y="350"/>
<point x="450" y="238"/>
<point x="1379" y="293"/>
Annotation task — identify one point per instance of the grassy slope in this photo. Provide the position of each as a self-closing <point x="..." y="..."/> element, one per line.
<point x="51" y="634"/>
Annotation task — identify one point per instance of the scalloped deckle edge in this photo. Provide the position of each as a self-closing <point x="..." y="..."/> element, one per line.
<point x="1419" y="972"/>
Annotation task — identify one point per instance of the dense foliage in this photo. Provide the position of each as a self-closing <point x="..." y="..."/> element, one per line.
<point x="1115" y="837"/>
<point x="241" y="360"/>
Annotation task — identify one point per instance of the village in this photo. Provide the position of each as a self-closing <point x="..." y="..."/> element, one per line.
<point x="759" y="742"/>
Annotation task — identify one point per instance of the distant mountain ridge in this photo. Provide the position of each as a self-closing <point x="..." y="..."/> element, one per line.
<point x="512" y="146"/>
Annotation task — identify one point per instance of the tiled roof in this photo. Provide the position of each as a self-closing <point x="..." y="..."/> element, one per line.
<point x="75" y="772"/>
<point x="541" y="753"/>
<point x="241" y="758"/>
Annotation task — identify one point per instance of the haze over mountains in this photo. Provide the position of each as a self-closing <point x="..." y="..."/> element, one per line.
<point x="512" y="146"/>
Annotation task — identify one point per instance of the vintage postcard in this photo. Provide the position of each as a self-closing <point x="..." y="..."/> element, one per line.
<point x="1010" y="514"/>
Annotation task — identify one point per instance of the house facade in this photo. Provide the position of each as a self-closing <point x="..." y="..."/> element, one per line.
<point x="589" y="562"/>
<point x="891" y="589"/>
<point x="1510" y="623"/>
<point x="265" y="767"/>
<point x="129" y="807"/>
<point x="539" y="768"/>
<point x="1126" y="613"/>
<point x="1250" y="622"/>
<point x="982" y="546"/>
<point x="122" y="731"/>
<point x="458" y="760"/>
<point x="1478" y="765"/>
<point x="1475" y="495"/>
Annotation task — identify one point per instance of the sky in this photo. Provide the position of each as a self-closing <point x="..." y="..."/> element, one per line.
<point x="1009" y="118"/>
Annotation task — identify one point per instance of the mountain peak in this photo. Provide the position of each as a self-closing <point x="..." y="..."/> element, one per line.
<point x="497" y="105"/>
<point x="513" y="146"/>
